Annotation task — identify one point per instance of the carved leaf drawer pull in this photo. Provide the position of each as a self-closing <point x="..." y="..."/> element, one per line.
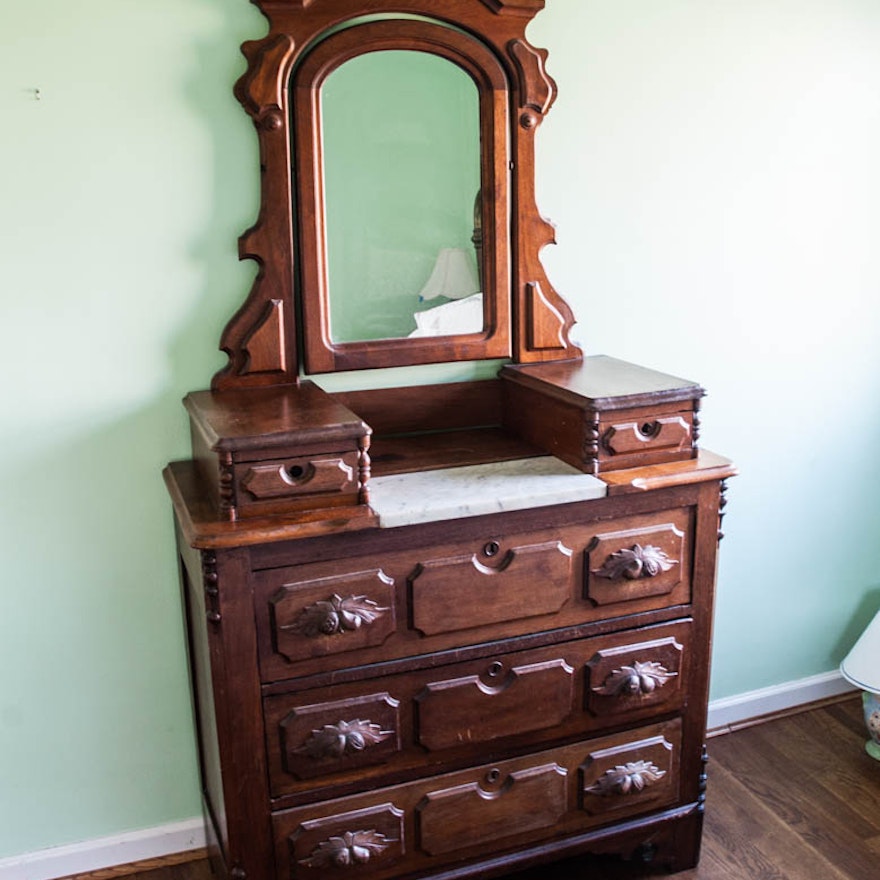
<point x="637" y="562"/>
<point x="350" y="849"/>
<point x="335" y="616"/>
<point x="343" y="738"/>
<point x="626" y="779"/>
<point x="639" y="679"/>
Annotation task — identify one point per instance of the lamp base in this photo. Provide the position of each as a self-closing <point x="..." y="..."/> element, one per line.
<point x="871" y="706"/>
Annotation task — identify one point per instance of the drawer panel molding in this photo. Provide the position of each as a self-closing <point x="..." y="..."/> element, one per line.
<point x="629" y="773"/>
<point x="527" y="698"/>
<point x="462" y="592"/>
<point x="338" y="735"/>
<point x="498" y="806"/>
<point x="332" y="846"/>
<point x="635" y="563"/>
<point x="623" y="678"/>
<point x="332" y="615"/>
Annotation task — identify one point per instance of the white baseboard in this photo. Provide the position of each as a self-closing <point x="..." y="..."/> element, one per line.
<point x="164" y="840"/>
<point x="105" y="852"/>
<point x="730" y="711"/>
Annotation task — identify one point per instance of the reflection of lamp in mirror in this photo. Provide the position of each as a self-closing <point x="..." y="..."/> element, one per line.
<point x="453" y="276"/>
<point x="455" y="279"/>
<point x="861" y="667"/>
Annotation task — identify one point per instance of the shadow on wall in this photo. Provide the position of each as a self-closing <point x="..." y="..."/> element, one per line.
<point x="863" y="615"/>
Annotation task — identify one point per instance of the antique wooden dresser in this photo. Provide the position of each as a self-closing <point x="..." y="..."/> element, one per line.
<point x="435" y="630"/>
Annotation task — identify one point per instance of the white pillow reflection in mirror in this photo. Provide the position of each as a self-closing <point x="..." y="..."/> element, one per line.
<point x="459" y="316"/>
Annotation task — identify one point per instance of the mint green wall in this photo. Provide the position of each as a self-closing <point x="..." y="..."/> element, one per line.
<point x="122" y="193"/>
<point x="712" y="170"/>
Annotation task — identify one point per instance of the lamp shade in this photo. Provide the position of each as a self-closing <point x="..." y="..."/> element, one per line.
<point x="861" y="666"/>
<point x="453" y="276"/>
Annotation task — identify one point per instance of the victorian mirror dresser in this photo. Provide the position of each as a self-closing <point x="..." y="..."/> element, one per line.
<point x="438" y="630"/>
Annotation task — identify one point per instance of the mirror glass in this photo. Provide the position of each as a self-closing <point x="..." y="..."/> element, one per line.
<point x="401" y="153"/>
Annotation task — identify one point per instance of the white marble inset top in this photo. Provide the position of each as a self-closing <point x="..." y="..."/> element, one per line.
<point x="453" y="493"/>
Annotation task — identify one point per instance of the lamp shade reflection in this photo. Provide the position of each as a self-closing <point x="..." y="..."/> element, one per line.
<point x="453" y="276"/>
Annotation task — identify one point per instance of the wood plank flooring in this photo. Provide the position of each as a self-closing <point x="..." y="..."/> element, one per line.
<point x="795" y="798"/>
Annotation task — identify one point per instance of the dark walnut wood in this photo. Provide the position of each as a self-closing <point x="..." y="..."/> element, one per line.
<point x="361" y="726"/>
<point x="458" y="698"/>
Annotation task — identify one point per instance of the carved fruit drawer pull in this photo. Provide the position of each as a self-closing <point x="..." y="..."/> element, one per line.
<point x="343" y="738"/>
<point x="639" y="679"/>
<point x="350" y="849"/>
<point x="627" y="779"/>
<point x="335" y="616"/>
<point x="637" y="562"/>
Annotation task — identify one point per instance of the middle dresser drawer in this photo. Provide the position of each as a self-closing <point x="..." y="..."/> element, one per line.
<point x="325" y="741"/>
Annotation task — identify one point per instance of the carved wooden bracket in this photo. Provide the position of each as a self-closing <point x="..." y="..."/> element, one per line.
<point x="347" y="850"/>
<point x="639" y="679"/>
<point x="626" y="779"/>
<point x="537" y="86"/>
<point x="343" y="738"/>
<point x="635" y="563"/>
<point x="335" y="616"/>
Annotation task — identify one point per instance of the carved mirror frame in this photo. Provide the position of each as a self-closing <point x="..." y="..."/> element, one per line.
<point x="284" y="323"/>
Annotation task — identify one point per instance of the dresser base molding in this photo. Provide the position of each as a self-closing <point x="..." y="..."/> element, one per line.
<point x="669" y="839"/>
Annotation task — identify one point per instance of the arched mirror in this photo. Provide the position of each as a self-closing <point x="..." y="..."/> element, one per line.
<point x="399" y="126"/>
<point x="398" y="222"/>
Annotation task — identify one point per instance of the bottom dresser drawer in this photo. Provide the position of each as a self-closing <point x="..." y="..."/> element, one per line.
<point x="473" y="813"/>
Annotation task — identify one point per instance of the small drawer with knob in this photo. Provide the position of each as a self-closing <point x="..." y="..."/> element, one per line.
<point x="601" y="414"/>
<point x="326" y="741"/>
<point x="302" y="481"/>
<point x="646" y="435"/>
<point x="279" y="450"/>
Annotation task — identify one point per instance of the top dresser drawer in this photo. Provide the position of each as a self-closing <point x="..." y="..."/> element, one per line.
<point x="311" y="618"/>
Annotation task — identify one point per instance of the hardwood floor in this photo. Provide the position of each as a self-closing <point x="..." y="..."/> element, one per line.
<point x="796" y="798"/>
